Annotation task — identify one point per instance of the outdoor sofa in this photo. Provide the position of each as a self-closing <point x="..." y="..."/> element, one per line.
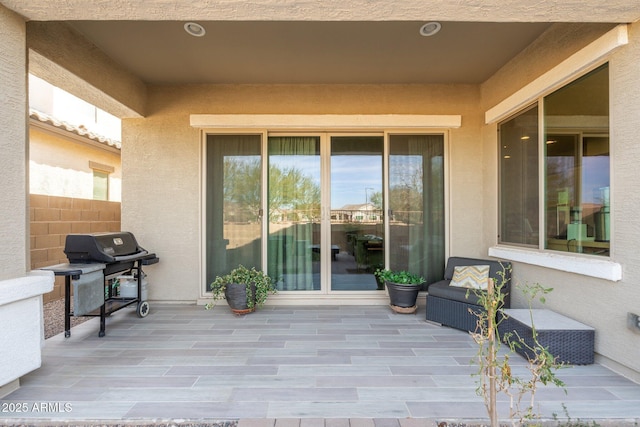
<point x="449" y="305"/>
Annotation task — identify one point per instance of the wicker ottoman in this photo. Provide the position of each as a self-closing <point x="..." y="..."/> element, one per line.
<point x="569" y="341"/>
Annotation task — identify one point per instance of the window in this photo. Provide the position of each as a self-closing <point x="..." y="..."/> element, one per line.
<point x="575" y="160"/>
<point x="519" y="207"/>
<point x="100" y="180"/>
<point x="100" y="185"/>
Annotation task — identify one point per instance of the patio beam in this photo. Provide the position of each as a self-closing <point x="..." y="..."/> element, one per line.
<point x="620" y="11"/>
<point x="325" y="121"/>
<point x="67" y="60"/>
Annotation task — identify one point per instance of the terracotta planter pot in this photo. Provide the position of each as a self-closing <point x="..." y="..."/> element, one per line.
<point x="236" y="296"/>
<point x="401" y="295"/>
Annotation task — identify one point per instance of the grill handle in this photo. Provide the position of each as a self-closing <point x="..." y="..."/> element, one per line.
<point x="130" y="257"/>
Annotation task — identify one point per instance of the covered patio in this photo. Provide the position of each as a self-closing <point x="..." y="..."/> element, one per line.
<point x="358" y="365"/>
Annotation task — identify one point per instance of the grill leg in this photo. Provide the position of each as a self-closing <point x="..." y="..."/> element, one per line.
<point x="102" y="322"/>
<point x="67" y="306"/>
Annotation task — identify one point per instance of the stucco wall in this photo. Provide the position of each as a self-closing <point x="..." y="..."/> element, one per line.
<point x="13" y="146"/>
<point x="600" y="303"/>
<point x="162" y="183"/>
<point x="60" y="166"/>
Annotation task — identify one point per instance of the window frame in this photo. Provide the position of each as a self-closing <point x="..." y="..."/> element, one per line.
<point x="101" y="171"/>
<point x="585" y="264"/>
<point x="588" y="58"/>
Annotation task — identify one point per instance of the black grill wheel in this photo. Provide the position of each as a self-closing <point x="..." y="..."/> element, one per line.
<point x="143" y="309"/>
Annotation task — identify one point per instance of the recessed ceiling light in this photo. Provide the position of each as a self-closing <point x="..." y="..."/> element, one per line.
<point x="194" y="29"/>
<point x="430" y="29"/>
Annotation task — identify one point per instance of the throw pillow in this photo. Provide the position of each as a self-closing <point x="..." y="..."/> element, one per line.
<point x="471" y="276"/>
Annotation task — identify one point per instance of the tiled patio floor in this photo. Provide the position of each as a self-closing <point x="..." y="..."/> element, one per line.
<point x="300" y="363"/>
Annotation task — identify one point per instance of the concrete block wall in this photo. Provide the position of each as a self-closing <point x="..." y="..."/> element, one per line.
<point x="52" y="218"/>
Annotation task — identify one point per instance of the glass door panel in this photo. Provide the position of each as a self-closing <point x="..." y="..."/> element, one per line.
<point x="233" y="203"/>
<point x="416" y="204"/>
<point x="357" y="220"/>
<point x="293" y="248"/>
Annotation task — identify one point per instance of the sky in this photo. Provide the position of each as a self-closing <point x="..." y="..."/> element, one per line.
<point x="353" y="178"/>
<point x="66" y="107"/>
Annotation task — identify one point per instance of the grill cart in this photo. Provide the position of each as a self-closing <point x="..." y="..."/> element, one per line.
<point x="96" y="261"/>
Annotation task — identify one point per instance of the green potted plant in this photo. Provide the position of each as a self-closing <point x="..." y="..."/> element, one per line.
<point x="403" y="288"/>
<point x="243" y="288"/>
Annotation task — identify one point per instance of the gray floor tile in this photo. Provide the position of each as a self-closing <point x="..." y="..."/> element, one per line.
<point x="287" y="422"/>
<point x="198" y="410"/>
<point x="299" y="394"/>
<point x="137" y="382"/>
<point x="416" y="361"/>
<point x="255" y="381"/>
<point x="321" y="370"/>
<point x="222" y="370"/>
<point x="337" y="422"/>
<point x="52" y="394"/>
<point x="161" y="394"/>
<point x="361" y="422"/>
<point x="337" y="410"/>
<point x="451" y="410"/>
<point x="314" y="422"/>
<point x="375" y="381"/>
<point x="300" y="360"/>
<point x="89" y="371"/>
<point x="327" y="366"/>
<point x="386" y="422"/>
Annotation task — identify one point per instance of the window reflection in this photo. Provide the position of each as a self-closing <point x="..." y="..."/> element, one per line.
<point x="577" y="165"/>
<point x="519" y="196"/>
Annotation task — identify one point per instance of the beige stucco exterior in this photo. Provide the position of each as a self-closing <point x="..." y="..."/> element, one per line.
<point x="13" y="163"/>
<point x="63" y="166"/>
<point x="162" y="171"/>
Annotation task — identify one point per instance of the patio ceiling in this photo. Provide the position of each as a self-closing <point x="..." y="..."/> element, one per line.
<point x="161" y="52"/>
<point x="310" y="42"/>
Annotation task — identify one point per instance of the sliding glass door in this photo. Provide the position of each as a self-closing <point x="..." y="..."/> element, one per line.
<point x="357" y="220"/>
<point x="294" y="186"/>
<point x="320" y="212"/>
<point x="416" y="205"/>
<point x="233" y="203"/>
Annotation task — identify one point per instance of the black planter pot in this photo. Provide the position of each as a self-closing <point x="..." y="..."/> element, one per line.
<point x="401" y="295"/>
<point x="236" y="296"/>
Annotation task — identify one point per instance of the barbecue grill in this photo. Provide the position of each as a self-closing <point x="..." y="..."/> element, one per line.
<point x="95" y="263"/>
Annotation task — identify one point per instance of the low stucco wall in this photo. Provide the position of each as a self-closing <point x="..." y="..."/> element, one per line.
<point x="22" y="324"/>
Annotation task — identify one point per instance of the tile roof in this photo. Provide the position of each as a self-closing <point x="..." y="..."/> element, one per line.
<point x="78" y="130"/>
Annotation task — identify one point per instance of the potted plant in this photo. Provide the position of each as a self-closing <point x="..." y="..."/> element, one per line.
<point x="243" y="288"/>
<point x="403" y="288"/>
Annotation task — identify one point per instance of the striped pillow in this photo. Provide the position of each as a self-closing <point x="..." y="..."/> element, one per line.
<point x="471" y="276"/>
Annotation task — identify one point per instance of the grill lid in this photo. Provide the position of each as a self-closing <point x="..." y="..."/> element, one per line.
<point x="102" y="247"/>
